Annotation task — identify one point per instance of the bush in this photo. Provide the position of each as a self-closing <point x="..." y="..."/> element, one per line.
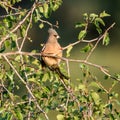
<point x="40" y="93"/>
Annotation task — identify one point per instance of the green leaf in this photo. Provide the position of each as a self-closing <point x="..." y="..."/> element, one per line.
<point x="46" y="9"/>
<point x="41" y="9"/>
<point x="60" y="117"/>
<point x="35" y="62"/>
<point x="87" y="48"/>
<point x="14" y="37"/>
<point x="82" y="87"/>
<point x="82" y="34"/>
<point x="55" y="7"/>
<point x="96" y="23"/>
<point x="106" y="39"/>
<point x="95" y="97"/>
<point x="7" y="23"/>
<point x="22" y="31"/>
<point x="94" y="84"/>
<point x="79" y="25"/>
<point x="17" y="58"/>
<point x="69" y="50"/>
<point x="82" y="66"/>
<point x="45" y="77"/>
<point x="104" y="14"/>
<point x="1" y="76"/>
<point x="117" y="76"/>
<point x="2" y="109"/>
<point x="13" y="44"/>
<point x="85" y="15"/>
<point x="2" y="49"/>
<point x="99" y="20"/>
<point x="41" y="25"/>
<point x="38" y="16"/>
<point x="33" y="80"/>
<point x="7" y="43"/>
<point x="93" y="15"/>
<point x="19" y="115"/>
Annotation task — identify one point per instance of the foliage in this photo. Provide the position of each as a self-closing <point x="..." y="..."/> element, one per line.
<point x="27" y="92"/>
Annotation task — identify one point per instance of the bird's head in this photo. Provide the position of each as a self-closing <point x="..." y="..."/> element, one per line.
<point x="52" y="32"/>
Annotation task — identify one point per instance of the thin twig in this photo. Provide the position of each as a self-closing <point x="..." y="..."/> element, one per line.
<point x="100" y="38"/>
<point x="88" y="41"/>
<point x="12" y="14"/>
<point x="26" y="33"/>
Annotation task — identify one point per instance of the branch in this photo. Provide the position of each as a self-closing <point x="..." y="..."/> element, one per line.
<point x="102" y="69"/>
<point x="89" y="41"/>
<point x="100" y="38"/>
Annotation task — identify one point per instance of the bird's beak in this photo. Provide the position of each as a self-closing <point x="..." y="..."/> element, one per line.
<point x="58" y="36"/>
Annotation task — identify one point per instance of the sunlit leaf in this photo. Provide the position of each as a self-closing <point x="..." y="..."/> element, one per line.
<point x="10" y="75"/>
<point x="94" y="84"/>
<point x="41" y="9"/>
<point x="106" y="39"/>
<point x="22" y="31"/>
<point x="60" y="117"/>
<point x="97" y="25"/>
<point x="100" y="21"/>
<point x="35" y="62"/>
<point x="82" y="34"/>
<point x="45" y="8"/>
<point x="69" y="50"/>
<point x="33" y="80"/>
<point x="85" y="15"/>
<point x="17" y="58"/>
<point x="45" y="77"/>
<point x="2" y="109"/>
<point x="104" y="14"/>
<point x="19" y="114"/>
<point x="95" y="97"/>
<point x="56" y="5"/>
<point x="7" y="23"/>
<point x="93" y="16"/>
<point x="41" y="25"/>
<point x="82" y="87"/>
<point x="80" y="25"/>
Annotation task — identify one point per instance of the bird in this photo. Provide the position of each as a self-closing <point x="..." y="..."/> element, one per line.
<point x="51" y="53"/>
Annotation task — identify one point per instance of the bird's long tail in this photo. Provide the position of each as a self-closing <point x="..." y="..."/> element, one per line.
<point x="61" y="75"/>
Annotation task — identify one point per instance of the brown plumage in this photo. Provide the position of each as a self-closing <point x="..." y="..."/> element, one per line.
<point x="53" y="48"/>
